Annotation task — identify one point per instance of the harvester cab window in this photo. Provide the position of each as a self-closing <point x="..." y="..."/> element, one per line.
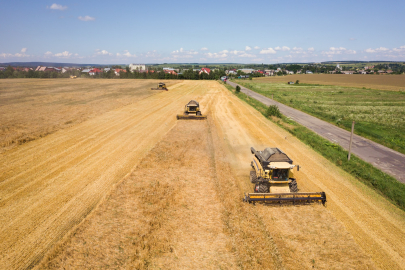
<point x="280" y="174"/>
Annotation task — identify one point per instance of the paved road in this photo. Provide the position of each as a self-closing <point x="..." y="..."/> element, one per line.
<point x="385" y="159"/>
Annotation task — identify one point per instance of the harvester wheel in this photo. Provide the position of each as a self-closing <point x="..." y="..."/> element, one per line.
<point x="253" y="177"/>
<point x="262" y="188"/>
<point x="198" y="113"/>
<point x="293" y="185"/>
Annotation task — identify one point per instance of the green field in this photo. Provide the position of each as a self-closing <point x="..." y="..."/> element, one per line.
<point x="379" y="115"/>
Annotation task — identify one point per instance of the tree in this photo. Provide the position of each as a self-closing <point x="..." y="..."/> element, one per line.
<point x="273" y="111"/>
<point x="237" y="89"/>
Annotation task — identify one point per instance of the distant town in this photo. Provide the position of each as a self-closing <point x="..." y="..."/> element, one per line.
<point x="197" y="71"/>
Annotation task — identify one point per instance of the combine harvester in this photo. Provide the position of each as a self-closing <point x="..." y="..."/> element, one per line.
<point x="161" y="86"/>
<point x="274" y="180"/>
<point x="192" y="112"/>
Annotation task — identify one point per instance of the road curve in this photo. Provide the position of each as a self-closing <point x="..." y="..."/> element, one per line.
<point x="385" y="159"/>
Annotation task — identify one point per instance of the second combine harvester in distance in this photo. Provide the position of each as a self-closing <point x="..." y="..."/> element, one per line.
<point x="192" y="112"/>
<point x="274" y="179"/>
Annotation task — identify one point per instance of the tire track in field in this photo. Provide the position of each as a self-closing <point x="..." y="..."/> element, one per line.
<point x="71" y="172"/>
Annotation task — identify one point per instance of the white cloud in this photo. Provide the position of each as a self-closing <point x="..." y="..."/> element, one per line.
<point x="86" y="18"/>
<point x="181" y="53"/>
<point x="224" y="51"/>
<point x="381" y="49"/>
<point x="5" y="55"/>
<point x="217" y="55"/>
<point x="152" y="54"/>
<point x="248" y="48"/>
<point x="352" y="39"/>
<point x="48" y="53"/>
<point x="128" y="54"/>
<point x="235" y="52"/>
<point x="103" y="52"/>
<point x="311" y="49"/>
<point x="337" y="50"/>
<point x="64" y="54"/>
<point x="268" y="51"/>
<point x="256" y="47"/>
<point x="284" y="48"/>
<point x="204" y="49"/>
<point x="23" y="50"/>
<point x="247" y="55"/>
<point x="400" y="49"/>
<point x="57" y="7"/>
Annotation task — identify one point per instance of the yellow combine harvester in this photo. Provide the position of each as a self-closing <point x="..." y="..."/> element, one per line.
<point x="274" y="180"/>
<point x="192" y="111"/>
<point x="73" y="77"/>
<point x="161" y="86"/>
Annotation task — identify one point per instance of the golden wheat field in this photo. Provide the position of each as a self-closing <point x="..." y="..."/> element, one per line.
<point x="31" y="109"/>
<point x="381" y="82"/>
<point x="133" y="188"/>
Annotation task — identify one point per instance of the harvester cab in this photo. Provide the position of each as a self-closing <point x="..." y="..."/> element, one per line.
<point x="274" y="181"/>
<point x="161" y="86"/>
<point x="192" y="111"/>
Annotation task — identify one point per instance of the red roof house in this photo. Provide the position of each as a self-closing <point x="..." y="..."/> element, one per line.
<point x="205" y="70"/>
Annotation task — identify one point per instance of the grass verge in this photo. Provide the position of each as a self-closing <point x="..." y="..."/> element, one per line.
<point x="383" y="183"/>
<point x="379" y="114"/>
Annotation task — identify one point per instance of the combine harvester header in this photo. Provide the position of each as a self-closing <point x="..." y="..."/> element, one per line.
<point x="192" y="112"/>
<point x="274" y="180"/>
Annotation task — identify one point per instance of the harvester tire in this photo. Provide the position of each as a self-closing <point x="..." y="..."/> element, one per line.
<point x="262" y="188"/>
<point x="293" y="185"/>
<point x="253" y="177"/>
<point x="198" y="113"/>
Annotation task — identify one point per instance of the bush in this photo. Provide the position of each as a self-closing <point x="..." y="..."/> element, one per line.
<point x="237" y="89"/>
<point x="297" y="82"/>
<point x="273" y="111"/>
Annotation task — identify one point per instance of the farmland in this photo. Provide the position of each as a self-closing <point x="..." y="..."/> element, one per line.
<point x="379" y="114"/>
<point x="31" y="109"/>
<point x="134" y="188"/>
<point x="380" y="82"/>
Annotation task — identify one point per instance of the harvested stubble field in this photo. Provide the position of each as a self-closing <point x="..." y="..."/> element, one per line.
<point x="181" y="206"/>
<point x="381" y="82"/>
<point x="33" y="108"/>
<point x="379" y="114"/>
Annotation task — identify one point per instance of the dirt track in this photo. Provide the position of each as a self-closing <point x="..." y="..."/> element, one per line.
<point x="178" y="211"/>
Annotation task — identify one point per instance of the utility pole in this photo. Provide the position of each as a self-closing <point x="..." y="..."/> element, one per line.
<point x="350" y="144"/>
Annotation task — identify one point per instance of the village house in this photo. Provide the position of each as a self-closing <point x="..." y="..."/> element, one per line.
<point x="205" y="70"/>
<point x="247" y="70"/>
<point x="171" y="71"/>
<point x="117" y="71"/>
<point x="138" y="67"/>
<point x="231" y="71"/>
<point x="94" y="71"/>
<point x="269" y="72"/>
<point x="348" y="72"/>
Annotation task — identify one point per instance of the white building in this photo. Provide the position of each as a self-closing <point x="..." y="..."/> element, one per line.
<point x="133" y="67"/>
<point x="247" y="70"/>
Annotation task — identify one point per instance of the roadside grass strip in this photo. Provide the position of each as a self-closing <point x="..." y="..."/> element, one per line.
<point x="379" y="114"/>
<point x="383" y="183"/>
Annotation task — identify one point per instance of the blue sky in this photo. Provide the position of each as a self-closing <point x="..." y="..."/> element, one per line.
<point x="109" y="32"/>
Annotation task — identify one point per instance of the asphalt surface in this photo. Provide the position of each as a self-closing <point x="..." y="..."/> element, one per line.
<point x="385" y="159"/>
